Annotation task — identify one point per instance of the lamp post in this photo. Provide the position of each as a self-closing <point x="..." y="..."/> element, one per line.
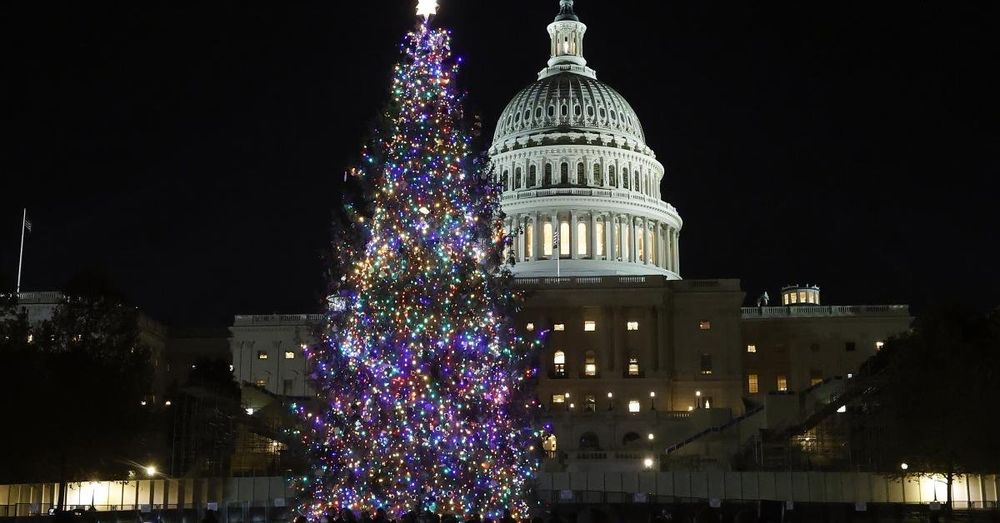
<point x="611" y="401"/>
<point x="652" y="400"/>
<point x="697" y="398"/>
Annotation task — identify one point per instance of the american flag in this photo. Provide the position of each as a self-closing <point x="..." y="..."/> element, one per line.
<point x="27" y="223"/>
<point x="555" y="239"/>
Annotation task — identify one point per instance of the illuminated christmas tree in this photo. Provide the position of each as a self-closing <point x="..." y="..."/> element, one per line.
<point x="421" y="378"/>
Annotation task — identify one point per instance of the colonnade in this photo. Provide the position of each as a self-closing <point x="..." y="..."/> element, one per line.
<point x="609" y="236"/>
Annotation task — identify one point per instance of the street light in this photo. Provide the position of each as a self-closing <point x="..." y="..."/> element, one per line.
<point x="151" y="471"/>
<point x="648" y="463"/>
<point x="697" y="395"/>
<point x="611" y="401"/>
<point x="652" y="400"/>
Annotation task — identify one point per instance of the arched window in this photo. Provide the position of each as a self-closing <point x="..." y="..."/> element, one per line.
<point x="564" y="110"/>
<point x="612" y="178"/>
<point x="625" y="179"/>
<point x="547" y="179"/>
<point x="504" y="180"/>
<point x="559" y="364"/>
<point x="590" y="111"/>
<point x="549" y="445"/>
<point x="590" y="364"/>
<point x="577" y="111"/>
<point x="552" y="111"/>
<point x="598" y="175"/>
<point x="640" y="245"/>
<point x="589" y="441"/>
<point x="581" y="238"/>
<point x="581" y="174"/>
<point x="532" y="176"/>
<point x="564" y="238"/>
<point x="631" y="439"/>
<point x="517" y="178"/>
<point x="633" y="367"/>
<point x="564" y="173"/>
<point x="538" y="113"/>
<point x="547" y="239"/>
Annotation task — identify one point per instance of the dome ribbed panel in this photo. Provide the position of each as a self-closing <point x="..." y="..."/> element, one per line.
<point x="567" y="102"/>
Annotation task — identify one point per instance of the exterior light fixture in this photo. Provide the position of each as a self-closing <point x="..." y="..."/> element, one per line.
<point x="648" y="463"/>
<point x="151" y="471"/>
<point x="903" y="466"/>
<point x="650" y="436"/>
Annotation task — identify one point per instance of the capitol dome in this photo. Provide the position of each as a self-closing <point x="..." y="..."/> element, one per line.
<point x="581" y="189"/>
<point x="567" y="102"/>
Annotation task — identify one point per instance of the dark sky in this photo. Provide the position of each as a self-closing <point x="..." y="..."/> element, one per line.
<point x="193" y="149"/>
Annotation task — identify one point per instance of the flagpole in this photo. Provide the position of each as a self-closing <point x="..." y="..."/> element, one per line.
<point x="20" y="259"/>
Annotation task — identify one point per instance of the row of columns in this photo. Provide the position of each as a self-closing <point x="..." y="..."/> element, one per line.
<point x="608" y="236"/>
<point x="640" y="180"/>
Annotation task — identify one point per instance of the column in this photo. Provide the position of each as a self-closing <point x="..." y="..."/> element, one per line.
<point x="574" y="236"/>
<point x="634" y="246"/>
<point x="677" y="255"/>
<point x="536" y="253"/>
<point x="613" y="234"/>
<point x="647" y="242"/>
<point x="593" y="235"/>
<point x="660" y="236"/>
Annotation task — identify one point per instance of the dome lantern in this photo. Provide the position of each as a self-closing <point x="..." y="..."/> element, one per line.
<point x="566" y="51"/>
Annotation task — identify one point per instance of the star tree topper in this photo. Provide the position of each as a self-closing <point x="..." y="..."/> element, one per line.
<point x="427" y="8"/>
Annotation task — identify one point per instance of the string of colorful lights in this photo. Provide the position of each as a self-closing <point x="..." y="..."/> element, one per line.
<point x="424" y="384"/>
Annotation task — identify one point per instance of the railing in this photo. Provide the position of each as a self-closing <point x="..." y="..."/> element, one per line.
<point x="592" y="281"/>
<point x="814" y="311"/>
<point x="712" y="430"/>
<point x="618" y="194"/>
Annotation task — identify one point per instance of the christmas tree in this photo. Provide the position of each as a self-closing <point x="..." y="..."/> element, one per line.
<point x="421" y="378"/>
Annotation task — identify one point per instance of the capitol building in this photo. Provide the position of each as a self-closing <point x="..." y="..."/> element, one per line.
<point x="641" y="369"/>
<point x="575" y="167"/>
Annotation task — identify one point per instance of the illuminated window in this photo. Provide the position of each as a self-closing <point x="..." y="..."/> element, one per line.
<point x="261" y="382"/>
<point x="706" y="364"/>
<point x="581" y="239"/>
<point x="590" y="364"/>
<point x="589" y="326"/>
<point x="262" y="355"/>
<point x="599" y="247"/>
<point x="558" y="399"/>
<point x="530" y="327"/>
<point x="640" y="246"/>
<point x="752" y="385"/>
<point x="632" y="326"/>
<point x="564" y="239"/>
<point x="794" y="297"/>
<point x="529" y="241"/>
<point x="559" y="327"/>
<point x="289" y="355"/>
<point x="782" y="383"/>
<point x="547" y="239"/>
<point x="851" y="346"/>
<point x="633" y="406"/>
<point x="559" y="363"/>
<point x="785" y="298"/>
<point x="549" y="444"/>
<point x="633" y="366"/>
<point x="590" y="403"/>
<point x="802" y="296"/>
<point x="752" y="349"/>
<point x="705" y="325"/>
<point x="815" y="377"/>
<point x="879" y="345"/>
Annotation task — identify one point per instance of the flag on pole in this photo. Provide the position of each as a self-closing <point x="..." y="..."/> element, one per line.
<point x="555" y="239"/>
<point x="27" y="222"/>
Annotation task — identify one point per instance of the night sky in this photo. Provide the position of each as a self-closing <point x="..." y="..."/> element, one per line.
<point x="194" y="150"/>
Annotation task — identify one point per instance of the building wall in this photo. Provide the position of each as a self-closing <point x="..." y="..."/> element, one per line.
<point x="816" y="346"/>
<point x="260" y="347"/>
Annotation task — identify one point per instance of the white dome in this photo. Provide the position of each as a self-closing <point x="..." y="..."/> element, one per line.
<point x="581" y="189"/>
<point x="568" y="102"/>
